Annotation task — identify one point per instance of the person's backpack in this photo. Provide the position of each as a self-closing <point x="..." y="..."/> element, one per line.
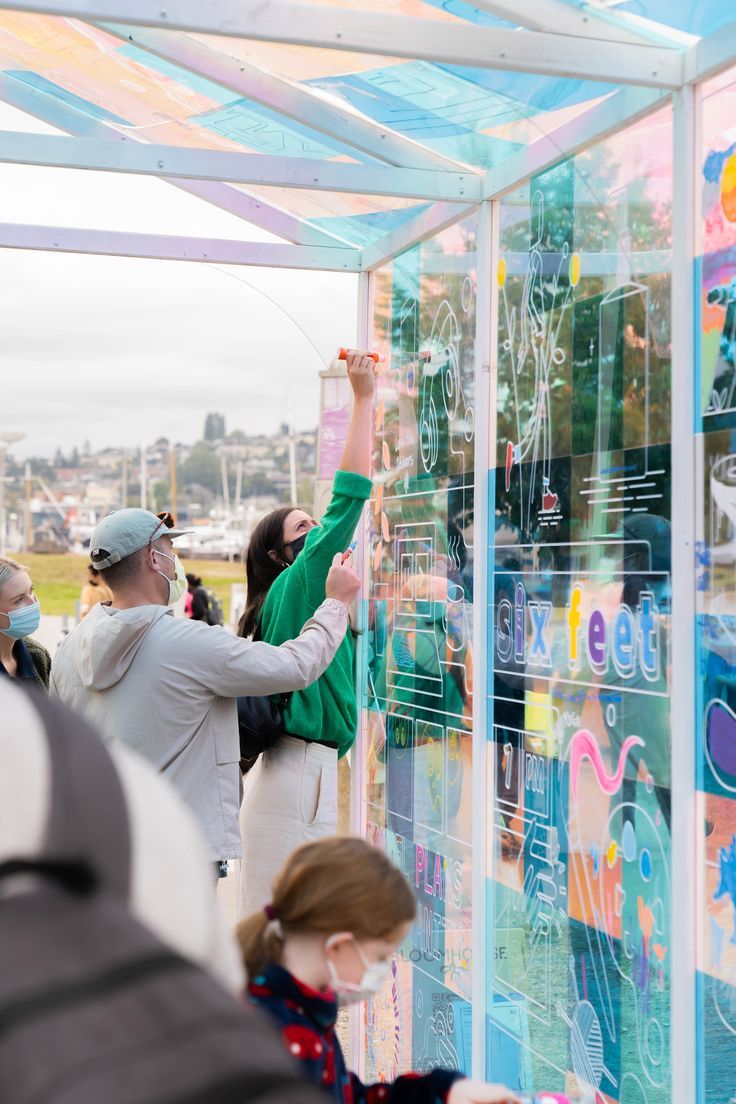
<point x="93" y="1006"/>
<point x="260" y="722"/>
<point x="215" y="615"/>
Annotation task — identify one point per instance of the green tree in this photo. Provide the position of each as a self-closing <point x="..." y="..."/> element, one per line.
<point x="202" y="466"/>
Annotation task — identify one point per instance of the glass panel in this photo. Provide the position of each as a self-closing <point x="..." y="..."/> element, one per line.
<point x="578" y="622"/>
<point x="418" y="684"/>
<point x="716" y="595"/>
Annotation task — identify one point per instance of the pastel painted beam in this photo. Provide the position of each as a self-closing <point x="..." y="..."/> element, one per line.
<point x="385" y="35"/>
<point x="245" y="168"/>
<point x="116" y="243"/>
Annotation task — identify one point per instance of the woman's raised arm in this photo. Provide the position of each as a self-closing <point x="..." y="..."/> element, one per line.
<point x="356" y="456"/>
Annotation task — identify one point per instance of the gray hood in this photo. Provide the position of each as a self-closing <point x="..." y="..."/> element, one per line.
<point x="103" y="646"/>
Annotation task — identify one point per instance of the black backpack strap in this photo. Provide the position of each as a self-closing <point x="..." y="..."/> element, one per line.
<point x="88" y="820"/>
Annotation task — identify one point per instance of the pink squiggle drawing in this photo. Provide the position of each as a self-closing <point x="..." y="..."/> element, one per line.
<point x="585" y="746"/>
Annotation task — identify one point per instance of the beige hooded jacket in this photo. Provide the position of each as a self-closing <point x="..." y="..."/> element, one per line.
<point x="167" y="687"/>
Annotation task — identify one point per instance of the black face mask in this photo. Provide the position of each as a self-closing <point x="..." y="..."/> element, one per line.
<point x="297" y="545"/>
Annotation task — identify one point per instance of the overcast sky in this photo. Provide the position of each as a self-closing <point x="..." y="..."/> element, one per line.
<point x="119" y="351"/>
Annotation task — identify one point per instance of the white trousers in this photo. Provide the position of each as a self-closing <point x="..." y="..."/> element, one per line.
<point x="289" y="798"/>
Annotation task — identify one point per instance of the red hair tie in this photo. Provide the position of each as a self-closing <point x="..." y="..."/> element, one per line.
<point x="270" y="913"/>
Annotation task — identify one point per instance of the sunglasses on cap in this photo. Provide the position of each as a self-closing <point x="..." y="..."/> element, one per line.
<point x="164" y="518"/>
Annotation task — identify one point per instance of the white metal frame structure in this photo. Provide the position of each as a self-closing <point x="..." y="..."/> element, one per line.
<point x="591" y="40"/>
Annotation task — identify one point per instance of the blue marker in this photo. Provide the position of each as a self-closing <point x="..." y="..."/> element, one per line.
<point x="350" y="551"/>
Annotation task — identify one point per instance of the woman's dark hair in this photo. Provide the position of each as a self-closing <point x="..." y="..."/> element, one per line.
<point x="260" y="568"/>
<point x="194" y="580"/>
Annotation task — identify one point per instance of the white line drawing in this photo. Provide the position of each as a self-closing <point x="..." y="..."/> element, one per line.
<point x="586" y="1040"/>
<point x="620" y="312"/>
<point x="535" y="333"/>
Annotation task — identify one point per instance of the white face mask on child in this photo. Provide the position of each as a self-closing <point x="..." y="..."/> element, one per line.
<point x="375" y="976"/>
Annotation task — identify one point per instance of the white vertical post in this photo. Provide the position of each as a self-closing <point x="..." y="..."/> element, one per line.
<point x="144" y="480"/>
<point x="27" y="517"/>
<point x="238" y="487"/>
<point x="225" y="487"/>
<point x="364" y="337"/>
<point x="484" y="460"/>
<point x="124" y="481"/>
<point x="292" y="464"/>
<point x="684" y="827"/>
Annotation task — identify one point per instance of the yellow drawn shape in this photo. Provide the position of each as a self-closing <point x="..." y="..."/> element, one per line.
<point x="728" y="189"/>
<point x="575" y="269"/>
<point x="611" y="854"/>
<point x="501" y="273"/>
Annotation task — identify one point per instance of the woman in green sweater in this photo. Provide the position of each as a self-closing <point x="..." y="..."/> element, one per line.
<point x="290" y="795"/>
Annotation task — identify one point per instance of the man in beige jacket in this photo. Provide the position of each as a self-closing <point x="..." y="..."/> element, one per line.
<point x="167" y="686"/>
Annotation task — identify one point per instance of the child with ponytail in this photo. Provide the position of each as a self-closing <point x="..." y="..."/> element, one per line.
<point x="340" y="909"/>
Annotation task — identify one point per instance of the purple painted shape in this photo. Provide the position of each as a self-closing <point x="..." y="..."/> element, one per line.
<point x="721" y="737"/>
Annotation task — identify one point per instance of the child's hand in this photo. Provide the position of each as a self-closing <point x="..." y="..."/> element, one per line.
<point x="362" y="374"/>
<point x="480" y="1092"/>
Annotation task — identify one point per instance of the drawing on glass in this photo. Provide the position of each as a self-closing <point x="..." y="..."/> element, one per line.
<point x="716" y="593"/>
<point x="578" y="995"/>
<point x="418" y="678"/>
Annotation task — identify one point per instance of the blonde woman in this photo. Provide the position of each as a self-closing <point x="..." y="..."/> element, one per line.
<point x="21" y="657"/>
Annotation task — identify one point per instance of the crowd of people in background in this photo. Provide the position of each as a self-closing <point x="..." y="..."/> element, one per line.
<point x="225" y="748"/>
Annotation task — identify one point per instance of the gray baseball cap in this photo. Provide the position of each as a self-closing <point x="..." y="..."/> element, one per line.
<point x="125" y="532"/>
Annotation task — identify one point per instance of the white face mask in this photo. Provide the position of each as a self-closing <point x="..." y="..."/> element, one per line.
<point x="375" y="976"/>
<point x="178" y="584"/>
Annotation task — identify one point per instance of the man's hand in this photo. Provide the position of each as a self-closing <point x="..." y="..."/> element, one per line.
<point x="342" y="581"/>
<point x="478" y="1092"/>
<point x="361" y="373"/>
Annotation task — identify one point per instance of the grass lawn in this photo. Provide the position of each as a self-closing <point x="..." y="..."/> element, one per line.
<point x="59" y="579"/>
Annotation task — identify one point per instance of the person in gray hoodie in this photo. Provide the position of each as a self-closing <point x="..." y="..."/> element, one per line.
<point x="167" y="686"/>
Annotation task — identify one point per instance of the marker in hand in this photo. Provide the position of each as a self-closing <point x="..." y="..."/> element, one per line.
<point x="342" y="354"/>
<point x="348" y="554"/>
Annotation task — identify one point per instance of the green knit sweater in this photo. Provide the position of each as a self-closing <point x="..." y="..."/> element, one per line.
<point x="326" y="710"/>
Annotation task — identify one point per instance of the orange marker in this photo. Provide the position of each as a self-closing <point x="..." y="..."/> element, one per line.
<point x="342" y="354"/>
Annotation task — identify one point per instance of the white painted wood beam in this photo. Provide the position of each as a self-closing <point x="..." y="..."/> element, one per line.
<point x="595" y="124"/>
<point x="424" y="225"/>
<point x="250" y="208"/>
<point x="389" y="36"/>
<point x="582" y="21"/>
<point x="289" y="98"/>
<point x="711" y="55"/>
<point x="116" y="243"/>
<point x="245" y="168"/>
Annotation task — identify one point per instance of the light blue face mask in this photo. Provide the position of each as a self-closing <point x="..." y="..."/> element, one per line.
<point x="23" y="621"/>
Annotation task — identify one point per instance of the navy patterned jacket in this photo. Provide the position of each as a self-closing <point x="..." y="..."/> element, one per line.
<point x="306" y="1019"/>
